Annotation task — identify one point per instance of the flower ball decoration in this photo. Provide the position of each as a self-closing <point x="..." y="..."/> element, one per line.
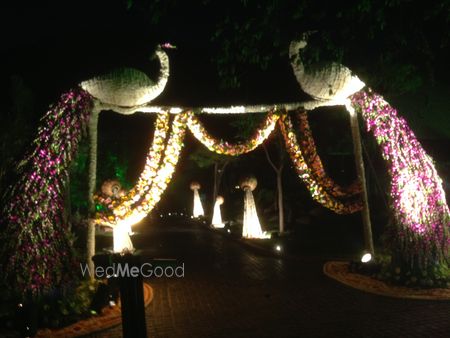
<point x="112" y="188"/>
<point x="110" y="193"/>
<point x="195" y="186"/>
<point x="220" y="200"/>
<point x="249" y="183"/>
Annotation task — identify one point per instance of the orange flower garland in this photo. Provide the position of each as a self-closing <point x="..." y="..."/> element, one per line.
<point x="308" y="148"/>
<point x="226" y="148"/>
<point x="155" y="177"/>
<point x="306" y="173"/>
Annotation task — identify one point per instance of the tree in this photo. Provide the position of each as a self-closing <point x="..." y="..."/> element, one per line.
<point x="14" y="121"/>
<point x="204" y="158"/>
<point x="90" y="239"/>
<point x="275" y="155"/>
<point x="391" y="55"/>
<point x="278" y="167"/>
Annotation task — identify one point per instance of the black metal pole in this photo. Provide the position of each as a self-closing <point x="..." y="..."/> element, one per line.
<point x="131" y="297"/>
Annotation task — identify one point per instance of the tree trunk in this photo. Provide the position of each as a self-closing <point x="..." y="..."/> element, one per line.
<point x="218" y="174"/>
<point x="216" y="188"/>
<point x="280" y="200"/>
<point x="368" y="240"/>
<point x="279" y="171"/>
<point x="90" y="240"/>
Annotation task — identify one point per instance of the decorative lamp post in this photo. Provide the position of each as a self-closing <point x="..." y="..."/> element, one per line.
<point x="251" y="227"/>
<point x="217" y="216"/>
<point x="198" y="208"/>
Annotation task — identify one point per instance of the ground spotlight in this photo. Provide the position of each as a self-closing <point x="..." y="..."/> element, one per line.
<point x="366" y="257"/>
<point x="278" y="248"/>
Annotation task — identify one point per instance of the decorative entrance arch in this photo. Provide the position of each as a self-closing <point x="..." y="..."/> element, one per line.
<point x="36" y="235"/>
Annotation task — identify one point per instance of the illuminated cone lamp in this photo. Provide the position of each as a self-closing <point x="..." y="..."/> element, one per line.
<point x="198" y="208"/>
<point x="217" y="216"/>
<point x="251" y="227"/>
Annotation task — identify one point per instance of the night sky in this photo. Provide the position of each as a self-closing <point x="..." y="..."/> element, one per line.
<point x="54" y="47"/>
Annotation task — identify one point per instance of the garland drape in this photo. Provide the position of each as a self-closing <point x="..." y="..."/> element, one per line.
<point x="226" y="148"/>
<point x="156" y="175"/>
<point x="308" y="149"/>
<point x="418" y="199"/>
<point x="155" y="156"/>
<point x="306" y="173"/>
<point x="151" y="166"/>
<point x="323" y="189"/>
<point x="151" y="184"/>
<point x="36" y="252"/>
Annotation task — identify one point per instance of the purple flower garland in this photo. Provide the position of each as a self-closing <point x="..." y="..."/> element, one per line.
<point x="36" y="252"/>
<point x="418" y="199"/>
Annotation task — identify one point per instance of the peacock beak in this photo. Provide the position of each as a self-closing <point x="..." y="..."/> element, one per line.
<point x="167" y="45"/>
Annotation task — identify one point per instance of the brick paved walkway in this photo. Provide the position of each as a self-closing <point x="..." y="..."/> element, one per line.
<point x="229" y="291"/>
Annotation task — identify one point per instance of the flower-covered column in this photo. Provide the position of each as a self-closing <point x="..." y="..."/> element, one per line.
<point x="217" y="216"/>
<point x="251" y="228"/>
<point x="198" y="208"/>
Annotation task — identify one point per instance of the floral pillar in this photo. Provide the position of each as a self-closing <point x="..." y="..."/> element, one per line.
<point x="251" y="227"/>
<point x="198" y="208"/>
<point x="217" y="216"/>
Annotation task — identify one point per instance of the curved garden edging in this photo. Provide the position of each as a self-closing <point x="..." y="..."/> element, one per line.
<point x="340" y="272"/>
<point x="110" y="317"/>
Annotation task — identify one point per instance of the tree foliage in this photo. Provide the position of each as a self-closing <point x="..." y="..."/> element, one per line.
<point x="15" y="128"/>
<point x="396" y="46"/>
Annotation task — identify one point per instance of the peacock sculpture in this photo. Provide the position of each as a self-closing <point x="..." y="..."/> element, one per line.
<point x="129" y="87"/>
<point x="332" y="81"/>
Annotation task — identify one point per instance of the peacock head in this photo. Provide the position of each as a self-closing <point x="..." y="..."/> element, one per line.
<point x="160" y="50"/>
<point x="301" y="43"/>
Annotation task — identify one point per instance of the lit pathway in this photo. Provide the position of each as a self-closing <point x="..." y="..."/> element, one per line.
<point x="229" y="291"/>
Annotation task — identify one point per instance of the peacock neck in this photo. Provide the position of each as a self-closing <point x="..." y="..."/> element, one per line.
<point x="163" y="72"/>
<point x="296" y="61"/>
